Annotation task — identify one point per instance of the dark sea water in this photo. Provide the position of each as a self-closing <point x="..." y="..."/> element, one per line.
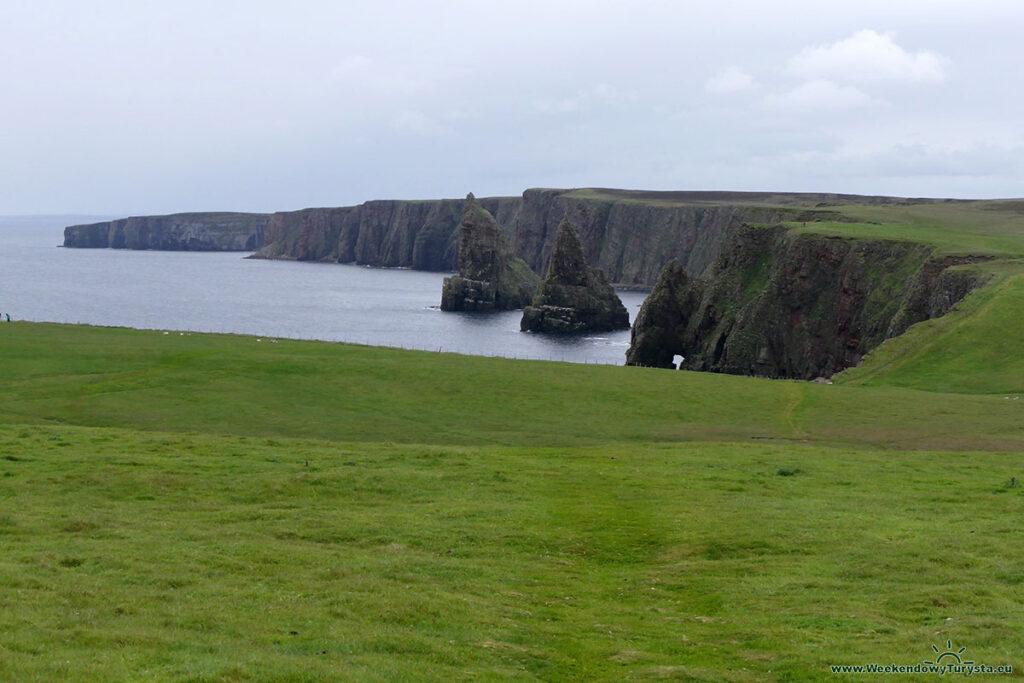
<point x="225" y="292"/>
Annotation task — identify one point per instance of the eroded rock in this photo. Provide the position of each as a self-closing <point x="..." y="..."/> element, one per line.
<point x="779" y="304"/>
<point x="574" y="297"/>
<point x="490" y="278"/>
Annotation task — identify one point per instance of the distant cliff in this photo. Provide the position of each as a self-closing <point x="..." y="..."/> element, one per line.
<point x="629" y="235"/>
<point x="777" y="303"/>
<point x="390" y="233"/>
<point x="176" y="232"/>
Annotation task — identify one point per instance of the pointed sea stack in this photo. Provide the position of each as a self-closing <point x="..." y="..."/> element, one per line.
<point x="573" y="297"/>
<point x="490" y="278"/>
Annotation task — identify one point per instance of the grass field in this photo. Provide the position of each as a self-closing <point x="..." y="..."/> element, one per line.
<point x="213" y="507"/>
<point x="195" y="507"/>
<point x="150" y="556"/>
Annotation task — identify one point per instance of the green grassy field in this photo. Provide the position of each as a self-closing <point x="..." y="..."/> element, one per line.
<point x="151" y="556"/>
<point x="198" y="507"/>
<point x="213" y="507"/>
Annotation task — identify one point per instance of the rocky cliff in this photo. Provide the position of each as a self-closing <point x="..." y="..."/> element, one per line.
<point x="176" y="232"/>
<point x="776" y="303"/>
<point x="490" y="278"/>
<point x="573" y="297"/>
<point x="629" y="235"/>
<point x="390" y="233"/>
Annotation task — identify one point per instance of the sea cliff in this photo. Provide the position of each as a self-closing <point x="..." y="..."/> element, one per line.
<point x="780" y="303"/>
<point x="628" y="235"/>
<point x="175" y="232"/>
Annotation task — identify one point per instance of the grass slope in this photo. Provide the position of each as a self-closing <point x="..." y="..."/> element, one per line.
<point x="978" y="348"/>
<point x="238" y="385"/>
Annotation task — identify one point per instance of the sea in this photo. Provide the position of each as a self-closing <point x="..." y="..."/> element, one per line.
<point x="227" y="292"/>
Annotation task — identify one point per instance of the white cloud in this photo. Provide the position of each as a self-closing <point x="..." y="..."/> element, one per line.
<point x="353" y="64"/>
<point x="729" y="80"/>
<point x="868" y="56"/>
<point x="819" y="95"/>
<point x="359" y="72"/>
<point x="581" y="100"/>
<point x="925" y="158"/>
<point x="417" y="123"/>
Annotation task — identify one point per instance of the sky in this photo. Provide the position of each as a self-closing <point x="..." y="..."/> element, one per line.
<point x="139" y="107"/>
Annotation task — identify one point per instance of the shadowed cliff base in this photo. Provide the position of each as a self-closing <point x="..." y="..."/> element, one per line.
<point x="574" y="297"/>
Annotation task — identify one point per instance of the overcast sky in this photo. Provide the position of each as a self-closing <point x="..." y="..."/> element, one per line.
<point x="154" y="107"/>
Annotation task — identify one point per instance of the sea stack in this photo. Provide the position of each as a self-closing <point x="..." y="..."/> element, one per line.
<point x="658" y="329"/>
<point x="574" y="297"/>
<point x="490" y="278"/>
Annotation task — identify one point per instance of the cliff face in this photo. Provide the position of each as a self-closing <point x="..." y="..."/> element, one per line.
<point x="779" y="304"/>
<point x="411" y="234"/>
<point x="628" y="235"/>
<point x="573" y="297"/>
<point x="628" y="239"/>
<point x="631" y="240"/>
<point x="176" y="232"/>
<point x="490" y="278"/>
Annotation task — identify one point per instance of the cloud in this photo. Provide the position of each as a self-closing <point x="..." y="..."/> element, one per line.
<point x="360" y="73"/>
<point x="922" y="158"/>
<point x="581" y="100"/>
<point x="731" y="79"/>
<point x="868" y="56"/>
<point x="418" y="124"/>
<point x="819" y="95"/>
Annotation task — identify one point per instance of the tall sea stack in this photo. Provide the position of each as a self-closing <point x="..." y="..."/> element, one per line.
<point x="574" y="297"/>
<point x="490" y="278"/>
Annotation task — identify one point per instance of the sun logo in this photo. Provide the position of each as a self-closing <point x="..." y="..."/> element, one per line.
<point x="949" y="653"/>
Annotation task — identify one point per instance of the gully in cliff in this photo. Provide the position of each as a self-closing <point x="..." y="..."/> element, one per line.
<point x="490" y="278"/>
<point x="574" y="297"/>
